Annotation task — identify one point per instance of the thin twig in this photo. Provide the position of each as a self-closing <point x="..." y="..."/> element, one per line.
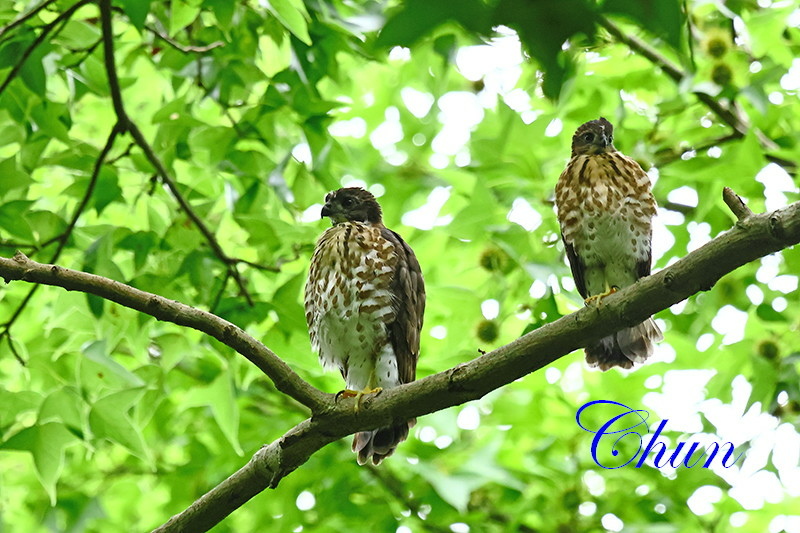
<point x="86" y="53"/>
<point x="186" y="49"/>
<point x="27" y="16"/>
<point x="736" y="204"/>
<point x="63" y="237"/>
<point x="728" y="114"/>
<point x="674" y="155"/>
<point x="138" y="136"/>
<point x="18" y="357"/>
<point x="12" y="244"/>
<point x="674" y="72"/>
<point x="63" y="17"/>
<point x="258" y="266"/>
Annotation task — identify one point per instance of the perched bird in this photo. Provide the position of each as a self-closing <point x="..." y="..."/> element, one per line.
<point x="364" y="301"/>
<point x="605" y="210"/>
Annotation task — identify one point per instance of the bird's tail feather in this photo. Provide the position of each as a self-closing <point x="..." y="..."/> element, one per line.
<point x="380" y="443"/>
<point x="625" y="347"/>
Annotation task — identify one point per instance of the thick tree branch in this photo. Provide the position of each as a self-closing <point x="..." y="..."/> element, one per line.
<point x="161" y="170"/>
<point x="286" y="381"/>
<point x="751" y="238"/>
<point x="728" y="114"/>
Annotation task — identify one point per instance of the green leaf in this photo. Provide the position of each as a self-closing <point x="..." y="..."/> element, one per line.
<point x="768" y="313"/>
<point x="12" y="219"/>
<point x="543" y="27"/>
<point x="107" y="189"/>
<point x="97" y="353"/>
<point x="140" y="242"/>
<point x="10" y="176"/>
<point x="137" y="11"/>
<point x="662" y="18"/>
<point x="32" y="71"/>
<point x="182" y="13"/>
<point x="95" y="304"/>
<point x="15" y="403"/>
<point x="66" y="406"/>
<point x="416" y="19"/>
<point x="220" y="396"/>
<point x="109" y="419"/>
<point x="292" y="15"/>
<point x="454" y="489"/>
<point x="223" y="11"/>
<point x="46" y="442"/>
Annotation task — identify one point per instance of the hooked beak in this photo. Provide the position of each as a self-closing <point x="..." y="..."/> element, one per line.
<point x="326" y="211"/>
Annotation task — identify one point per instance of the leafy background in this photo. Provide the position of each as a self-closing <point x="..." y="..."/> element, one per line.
<point x="459" y="115"/>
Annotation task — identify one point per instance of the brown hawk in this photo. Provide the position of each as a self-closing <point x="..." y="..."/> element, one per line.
<point x="605" y="210"/>
<point x="364" y="303"/>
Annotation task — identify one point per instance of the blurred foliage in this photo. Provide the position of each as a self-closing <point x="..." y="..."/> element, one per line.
<point x="116" y="421"/>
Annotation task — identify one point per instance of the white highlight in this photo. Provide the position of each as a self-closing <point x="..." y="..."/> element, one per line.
<point x="523" y="214"/>
<point x="490" y="309"/>
<point x="469" y="418"/>
<point x="305" y="501"/>
<point x="426" y="216"/>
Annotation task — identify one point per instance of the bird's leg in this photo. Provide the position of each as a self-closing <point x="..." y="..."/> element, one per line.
<point x="357" y="394"/>
<point x="596" y="298"/>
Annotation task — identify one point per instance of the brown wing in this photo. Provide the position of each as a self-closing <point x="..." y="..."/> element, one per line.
<point x="643" y="267"/>
<point x="408" y="290"/>
<point x="577" y="267"/>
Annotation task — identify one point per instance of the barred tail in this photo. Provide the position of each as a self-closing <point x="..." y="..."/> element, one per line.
<point x="380" y="443"/>
<point x="627" y="346"/>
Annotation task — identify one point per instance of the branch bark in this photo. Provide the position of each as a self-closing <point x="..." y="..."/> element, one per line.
<point x="751" y="238"/>
<point x="284" y="378"/>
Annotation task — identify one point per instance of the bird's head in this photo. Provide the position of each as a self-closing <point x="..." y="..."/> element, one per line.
<point x="351" y="204"/>
<point x="593" y="137"/>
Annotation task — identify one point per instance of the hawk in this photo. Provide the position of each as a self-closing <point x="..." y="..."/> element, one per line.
<point x="605" y="210"/>
<point x="364" y="301"/>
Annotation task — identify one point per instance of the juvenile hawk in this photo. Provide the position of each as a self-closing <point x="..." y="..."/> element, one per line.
<point x="364" y="303"/>
<point x="605" y="210"/>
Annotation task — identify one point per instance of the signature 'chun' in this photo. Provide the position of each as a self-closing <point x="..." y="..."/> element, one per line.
<point x="631" y="424"/>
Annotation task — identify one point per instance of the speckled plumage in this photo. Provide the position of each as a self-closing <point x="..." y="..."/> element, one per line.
<point x="605" y="210"/>
<point x="364" y="303"/>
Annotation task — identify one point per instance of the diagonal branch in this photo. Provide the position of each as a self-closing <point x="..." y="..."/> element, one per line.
<point x="675" y="73"/>
<point x="728" y="114"/>
<point x="285" y="379"/>
<point x="751" y="238"/>
<point x="27" y="16"/>
<point x="185" y="48"/>
<point x="138" y="136"/>
<point x="63" y="17"/>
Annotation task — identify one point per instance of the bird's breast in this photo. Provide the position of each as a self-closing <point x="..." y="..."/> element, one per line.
<point x="348" y="293"/>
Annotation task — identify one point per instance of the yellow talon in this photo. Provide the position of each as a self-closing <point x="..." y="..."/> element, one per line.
<point x="358" y="395"/>
<point x="598" y="297"/>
